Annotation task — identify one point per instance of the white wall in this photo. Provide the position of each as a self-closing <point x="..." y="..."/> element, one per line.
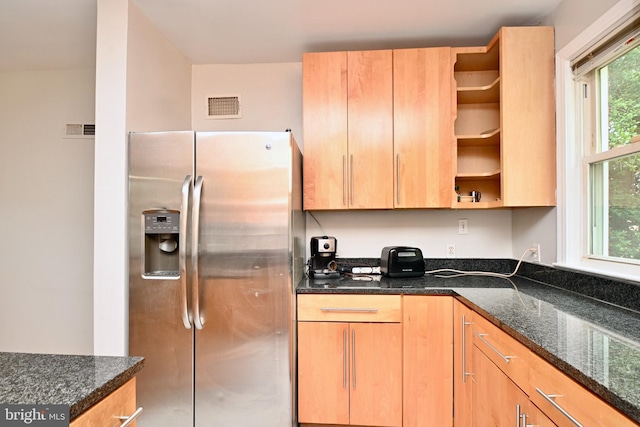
<point x="46" y="209"/>
<point x="364" y="234"/>
<point x="142" y="83"/>
<point x="572" y="17"/>
<point x="271" y="96"/>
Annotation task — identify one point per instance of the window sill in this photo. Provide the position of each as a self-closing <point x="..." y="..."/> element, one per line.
<point x="606" y="269"/>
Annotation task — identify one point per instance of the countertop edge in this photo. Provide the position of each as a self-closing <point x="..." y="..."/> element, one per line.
<point x="81" y="406"/>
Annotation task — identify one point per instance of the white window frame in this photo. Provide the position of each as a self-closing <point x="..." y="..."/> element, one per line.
<point x="573" y="186"/>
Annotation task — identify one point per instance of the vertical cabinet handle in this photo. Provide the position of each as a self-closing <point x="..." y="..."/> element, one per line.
<point x="518" y="415"/>
<point x="182" y="252"/>
<point x="550" y="398"/>
<point x="344" y="358"/>
<point x="351" y="176"/>
<point x="344" y="180"/>
<point x="398" y="178"/>
<point x="131" y="418"/>
<point x="353" y="357"/>
<point x="465" y="374"/>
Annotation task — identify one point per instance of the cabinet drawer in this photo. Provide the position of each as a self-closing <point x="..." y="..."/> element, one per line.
<point x="507" y="353"/>
<point x="562" y="399"/>
<point x="350" y="308"/>
<point x="120" y="403"/>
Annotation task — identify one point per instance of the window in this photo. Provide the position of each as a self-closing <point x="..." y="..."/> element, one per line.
<point x="612" y="154"/>
<point x="598" y="86"/>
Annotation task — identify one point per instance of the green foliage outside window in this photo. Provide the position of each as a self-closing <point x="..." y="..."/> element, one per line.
<point x="624" y="173"/>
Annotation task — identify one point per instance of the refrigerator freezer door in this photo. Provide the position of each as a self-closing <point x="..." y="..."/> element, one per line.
<point x="159" y="163"/>
<point x="243" y="356"/>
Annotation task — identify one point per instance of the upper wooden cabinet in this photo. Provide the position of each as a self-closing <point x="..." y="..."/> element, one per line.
<point x="403" y="128"/>
<point x="348" y="130"/>
<point x="505" y="119"/>
<point x="422" y="128"/>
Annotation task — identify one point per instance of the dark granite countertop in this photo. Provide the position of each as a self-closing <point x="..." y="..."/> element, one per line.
<point x="77" y="381"/>
<point x="594" y="341"/>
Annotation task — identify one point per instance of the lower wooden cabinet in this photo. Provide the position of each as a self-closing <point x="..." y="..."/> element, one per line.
<point x="427" y="324"/>
<point x="106" y="413"/>
<point x="350" y="373"/>
<point x="497" y="401"/>
<point x="568" y="403"/>
<point x="425" y="361"/>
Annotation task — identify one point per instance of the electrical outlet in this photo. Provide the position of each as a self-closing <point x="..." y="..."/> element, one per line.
<point x="451" y="250"/>
<point x="463" y="226"/>
<point x="536" y="254"/>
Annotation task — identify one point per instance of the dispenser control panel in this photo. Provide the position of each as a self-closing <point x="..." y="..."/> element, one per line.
<point x="167" y="222"/>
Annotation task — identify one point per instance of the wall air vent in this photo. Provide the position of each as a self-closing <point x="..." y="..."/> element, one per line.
<point x="223" y="107"/>
<point x="79" y="130"/>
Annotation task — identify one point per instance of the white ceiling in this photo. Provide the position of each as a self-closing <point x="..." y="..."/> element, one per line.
<point x="36" y="34"/>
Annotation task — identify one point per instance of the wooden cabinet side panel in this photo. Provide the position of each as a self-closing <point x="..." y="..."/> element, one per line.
<point x="422" y="128"/>
<point x="427" y="361"/>
<point x="528" y="116"/>
<point x="323" y="389"/>
<point x="376" y="374"/>
<point x="370" y="128"/>
<point x="324" y="109"/>
<point x="122" y="402"/>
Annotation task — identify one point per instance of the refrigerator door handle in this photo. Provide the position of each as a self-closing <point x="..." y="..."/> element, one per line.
<point x="184" y="218"/>
<point x="195" y="226"/>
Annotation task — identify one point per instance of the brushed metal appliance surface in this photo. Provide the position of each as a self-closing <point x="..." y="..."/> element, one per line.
<point x="244" y="251"/>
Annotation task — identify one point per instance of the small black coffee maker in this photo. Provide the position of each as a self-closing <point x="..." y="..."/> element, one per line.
<point x="322" y="263"/>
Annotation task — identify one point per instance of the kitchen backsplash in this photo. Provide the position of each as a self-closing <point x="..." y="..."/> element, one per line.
<point x="617" y="292"/>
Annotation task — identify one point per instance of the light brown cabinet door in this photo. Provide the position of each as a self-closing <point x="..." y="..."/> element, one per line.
<point x="422" y="126"/>
<point x="370" y="129"/>
<point x="323" y="372"/>
<point x="348" y="130"/>
<point x="350" y="373"/>
<point x="376" y="374"/>
<point x="427" y="364"/>
<point x="324" y="104"/>
<point x="527" y="104"/>
<point x="497" y="401"/>
<point x="462" y="366"/>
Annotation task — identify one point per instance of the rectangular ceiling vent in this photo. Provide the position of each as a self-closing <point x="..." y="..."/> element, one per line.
<point x="223" y="107"/>
<point x="79" y="130"/>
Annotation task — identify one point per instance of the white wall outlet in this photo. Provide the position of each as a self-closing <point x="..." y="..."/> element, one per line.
<point x="451" y="250"/>
<point x="463" y="226"/>
<point x="536" y="254"/>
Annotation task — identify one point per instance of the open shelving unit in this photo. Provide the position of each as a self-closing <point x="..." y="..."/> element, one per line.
<point x="478" y="124"/>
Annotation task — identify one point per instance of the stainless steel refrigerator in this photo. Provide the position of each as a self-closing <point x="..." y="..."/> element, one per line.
<point x="216" y="246"/>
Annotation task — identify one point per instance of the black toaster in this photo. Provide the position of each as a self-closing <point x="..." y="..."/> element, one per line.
<point x="401" y="261"/>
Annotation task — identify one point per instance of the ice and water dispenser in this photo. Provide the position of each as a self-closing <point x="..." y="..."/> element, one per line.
<point x="160" y="256"/>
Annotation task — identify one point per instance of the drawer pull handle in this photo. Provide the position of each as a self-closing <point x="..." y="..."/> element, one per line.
<point x="349" y="310"/>
<point x="506" y="359"/>
<point x="131" y="418"/>
<point x="549" y="398"/>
